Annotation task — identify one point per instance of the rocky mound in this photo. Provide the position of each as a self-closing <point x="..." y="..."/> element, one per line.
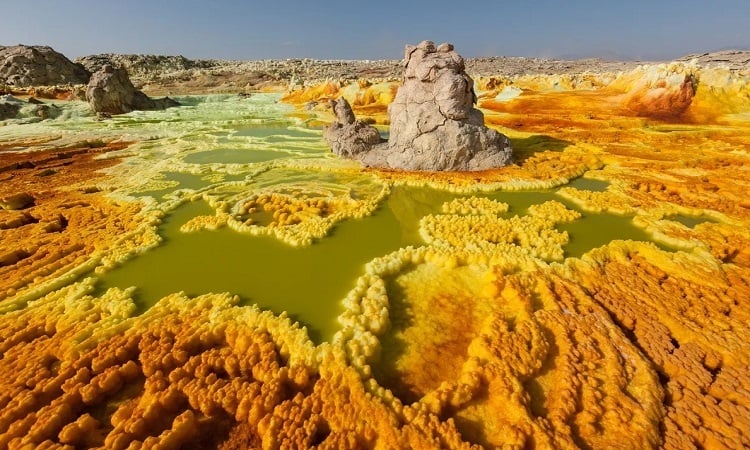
<point x="9" y="107"/>
<point x="31" y="110"/>
<point x="144" y="67"/>
<point x="733" y="59"/>
<point x="111" y="92"/>
<point x="347" y="136"/>
<point x="434" y="125"/>
<point x="22" y="66"/>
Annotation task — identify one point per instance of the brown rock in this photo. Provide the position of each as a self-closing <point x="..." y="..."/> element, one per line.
<point x="348" y="137"/>
<point x="22" y="66"/>
<point x="17" y="201"/>
<point x="434" y="125"/>
<point x="111" y="92"/>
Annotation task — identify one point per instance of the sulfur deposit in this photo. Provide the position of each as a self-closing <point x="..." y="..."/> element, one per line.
<point x="434" y="125"/>
<point x="592" y="294"/>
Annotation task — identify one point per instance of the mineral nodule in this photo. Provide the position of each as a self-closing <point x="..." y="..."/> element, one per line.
<point x="434" y="125"/>
<point x="110" y="91"/>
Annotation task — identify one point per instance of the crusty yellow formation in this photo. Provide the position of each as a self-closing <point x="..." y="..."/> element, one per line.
<point x="296" y="215"/>
<point x="534" y="233"/>
<point x="474" y="206"/>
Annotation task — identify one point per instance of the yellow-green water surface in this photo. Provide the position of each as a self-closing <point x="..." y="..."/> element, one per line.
<point x="307" y="282"/>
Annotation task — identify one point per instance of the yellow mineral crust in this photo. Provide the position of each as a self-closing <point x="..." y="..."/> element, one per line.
<point x="474" y="206"/>
<point x="369" y="100"/>
<point x="687" y="314"/>
<point x="535" y="232"/>
<point x="296" y="217"/>
<point x="515" y="354"/>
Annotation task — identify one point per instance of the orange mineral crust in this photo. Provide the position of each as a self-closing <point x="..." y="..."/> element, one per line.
<point x="484" y="330"/>
<point x="189" y="373"/>
<point x="54" y="222"/>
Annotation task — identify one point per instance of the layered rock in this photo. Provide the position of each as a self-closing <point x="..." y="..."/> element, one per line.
<point x="23" y="66"/>
<point x="111" y="92"/>
<point x="434" y="125"/>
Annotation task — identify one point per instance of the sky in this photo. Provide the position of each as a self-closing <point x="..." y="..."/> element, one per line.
<point x="378" y="29"/>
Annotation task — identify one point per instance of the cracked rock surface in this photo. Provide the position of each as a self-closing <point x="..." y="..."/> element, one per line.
<point x="434" y="125"/>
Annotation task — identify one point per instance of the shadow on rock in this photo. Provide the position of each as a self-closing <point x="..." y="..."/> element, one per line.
<point x="524" y="148"/>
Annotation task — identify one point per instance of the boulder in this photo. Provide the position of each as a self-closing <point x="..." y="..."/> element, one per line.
<point x="12" y="202"/>
<point x="24" y="66"/>
<point x="434" y="125"/>
<point x="347" y="136"/>
<point x="9" y="106"/>
<point x="111" y="92"/>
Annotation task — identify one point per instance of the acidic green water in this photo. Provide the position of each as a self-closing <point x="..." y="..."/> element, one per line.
<point x="594" y="230"/>
<point x="689" y="221"/>
<point x="307" y="282"/>
<point x="185" y="180"/>
<point x="234" y="156"/>
<point x="588" y="184"/>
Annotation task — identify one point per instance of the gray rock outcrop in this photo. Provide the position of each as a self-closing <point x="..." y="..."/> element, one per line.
<point x="434" y="125"/>
<point x="24" y="66"/>
<point x="347" y="136"/>
<point x="111" y="92"/>
<point x="9" y="106"/>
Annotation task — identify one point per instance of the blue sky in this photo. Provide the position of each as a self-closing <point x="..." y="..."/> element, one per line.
<point x="374" y="29"/>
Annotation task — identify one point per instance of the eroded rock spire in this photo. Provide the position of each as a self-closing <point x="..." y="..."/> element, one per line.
<point x="434" y="125"/>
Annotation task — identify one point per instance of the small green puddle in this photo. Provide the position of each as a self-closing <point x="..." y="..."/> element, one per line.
<point x="588" y="184"/>
<point x="186" y="180"/>
<point x="594" y="230"/>
<point x="276" y="132"/>
<point x="689" y="221"/>
<point x="234" y="156"/>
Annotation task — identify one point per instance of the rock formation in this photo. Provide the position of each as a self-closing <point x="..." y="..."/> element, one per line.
<point x="22" y="66"/>
<point x="434" y="125"/>
<point x="347" y="136"/>
<point x="9" y="107"/>
<point x="111" y="92"/>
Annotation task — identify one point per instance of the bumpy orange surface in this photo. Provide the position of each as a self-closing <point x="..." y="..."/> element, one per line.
<point x="64" y="223"/>
<point x="474" y="339"/>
